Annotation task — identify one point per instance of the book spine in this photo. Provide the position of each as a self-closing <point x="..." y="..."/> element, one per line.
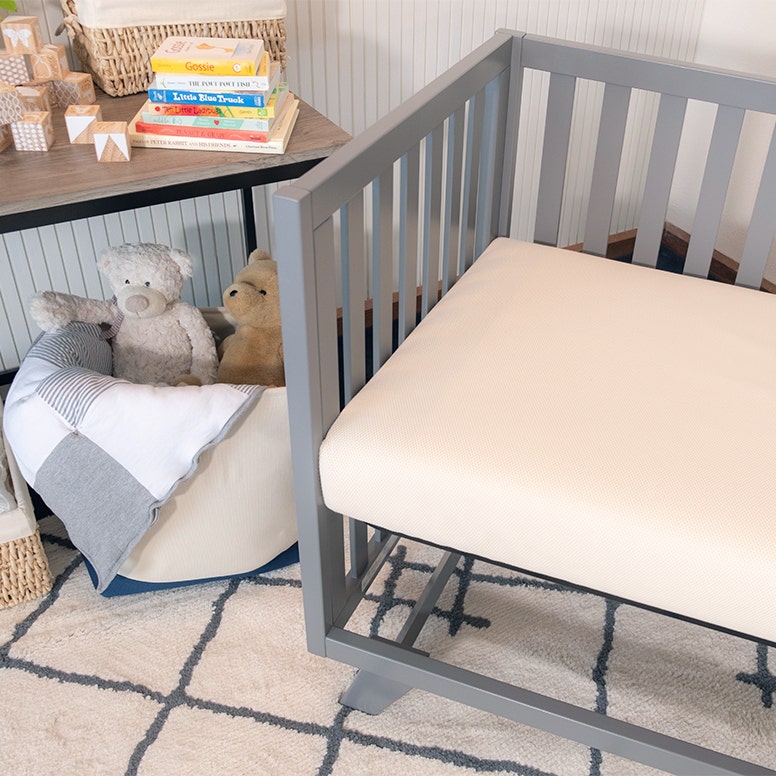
<point x="187" y="109"/>
<point x="148" y="140"/>
<point x="212" y="122"/>
<point x="203" y="66"/>
<point x="259" y="83"/>
<point x="249" y="136"/>
<point x="234" y="99"/>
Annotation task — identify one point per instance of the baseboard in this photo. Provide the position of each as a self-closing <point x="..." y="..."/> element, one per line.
<point x="723" y="268"/>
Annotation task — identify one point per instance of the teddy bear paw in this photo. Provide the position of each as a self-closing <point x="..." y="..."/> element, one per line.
<point x="186" y="380"/>
<point x="48" y="311"/>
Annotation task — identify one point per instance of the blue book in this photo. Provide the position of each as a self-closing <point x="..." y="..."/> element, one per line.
<point x="193" y="97"/>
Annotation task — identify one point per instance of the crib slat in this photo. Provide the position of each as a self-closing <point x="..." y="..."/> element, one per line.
<point x="382" y="268"/>
<point x="408" y="241"/>
<point x="471" y="179"/>
<point x="431" y="218"/>
<point x="451" y="234"/>
<point x="660" y="176"/>
<point x="358" y="550"/>
<point x="711" y="201"/>
<point x="492" y="159"/>
<point x="555" y="148"/>
<point x="353" y="295"/>
<point x="611" y="136"/>
<point x="760" y="234"/>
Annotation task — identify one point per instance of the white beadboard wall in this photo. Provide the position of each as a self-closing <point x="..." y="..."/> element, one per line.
<point x="353" y="60"/>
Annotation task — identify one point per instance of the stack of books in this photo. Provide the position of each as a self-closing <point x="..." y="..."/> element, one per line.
<point x="215" y="94"/>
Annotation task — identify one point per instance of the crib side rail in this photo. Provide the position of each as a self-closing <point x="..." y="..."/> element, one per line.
<point x="676" y="85"/>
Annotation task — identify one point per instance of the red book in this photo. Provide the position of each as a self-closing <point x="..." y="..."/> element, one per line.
<point x="177" y="130"/>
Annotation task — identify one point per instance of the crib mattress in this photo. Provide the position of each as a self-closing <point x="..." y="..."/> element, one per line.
<point x="596" y="422"/>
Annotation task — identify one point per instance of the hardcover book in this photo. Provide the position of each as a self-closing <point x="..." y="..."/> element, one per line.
<point x="257" y="99"/>
<point x="208" y="56"/>
<point x="267" y="78"/>
<point x="276" y="143"/>
<point x="189" y="109"/>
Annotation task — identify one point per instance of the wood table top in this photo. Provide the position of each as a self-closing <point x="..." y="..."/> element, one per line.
<point x="68" y="181"/>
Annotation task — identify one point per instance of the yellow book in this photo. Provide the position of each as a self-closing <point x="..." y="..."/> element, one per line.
<point x="208" y="56"/>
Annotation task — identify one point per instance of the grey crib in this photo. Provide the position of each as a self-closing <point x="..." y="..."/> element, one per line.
<point x="393" y="262"/>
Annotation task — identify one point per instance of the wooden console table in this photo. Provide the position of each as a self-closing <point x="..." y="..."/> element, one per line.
<point x="68" y="183"/>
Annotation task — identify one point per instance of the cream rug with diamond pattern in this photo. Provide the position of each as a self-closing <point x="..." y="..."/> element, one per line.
<point x="215" y="679"/>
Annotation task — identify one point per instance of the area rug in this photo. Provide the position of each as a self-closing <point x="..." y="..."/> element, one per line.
<point x="216" y="679"/>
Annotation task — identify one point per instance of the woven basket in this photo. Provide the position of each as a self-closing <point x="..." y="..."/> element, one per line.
<point x="24" y="570"/>
<point x="119" y="58"/>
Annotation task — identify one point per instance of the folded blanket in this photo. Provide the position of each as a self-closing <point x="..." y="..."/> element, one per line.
<point x="103" y="453"/>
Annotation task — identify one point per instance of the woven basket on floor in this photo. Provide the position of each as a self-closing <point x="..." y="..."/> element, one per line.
<point x="119" y="58"/>
<point x="24" y="570"/>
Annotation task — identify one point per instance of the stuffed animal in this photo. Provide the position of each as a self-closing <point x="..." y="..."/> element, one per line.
<point x="156" y="337"/>
<point x="253" y="355"/>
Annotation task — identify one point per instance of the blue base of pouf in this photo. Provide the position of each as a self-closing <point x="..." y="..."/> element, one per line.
<point x="125" y="586"/>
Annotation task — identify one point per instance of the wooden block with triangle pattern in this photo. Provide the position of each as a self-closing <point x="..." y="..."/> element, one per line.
<point x="111" y="141"/>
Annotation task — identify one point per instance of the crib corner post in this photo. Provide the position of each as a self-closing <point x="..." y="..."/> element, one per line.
<point x="321" y="543"/>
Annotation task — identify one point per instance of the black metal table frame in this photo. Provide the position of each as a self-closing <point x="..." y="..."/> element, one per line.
<point x="156" y="195"/>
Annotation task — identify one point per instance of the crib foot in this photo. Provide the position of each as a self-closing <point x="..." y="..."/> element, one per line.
<point x="372" y="693"/>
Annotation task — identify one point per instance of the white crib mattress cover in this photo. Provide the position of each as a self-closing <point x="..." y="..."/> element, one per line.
<point x="110" y="14"/>
<point x="605" y="424"/>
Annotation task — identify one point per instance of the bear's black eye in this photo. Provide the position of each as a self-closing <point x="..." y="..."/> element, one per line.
<point x="148" y="284"/>
<point x="262" y="292"/>
<point x="126" y="282"/>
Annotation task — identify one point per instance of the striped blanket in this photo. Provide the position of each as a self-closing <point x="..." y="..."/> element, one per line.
<point x="104" y="453"/>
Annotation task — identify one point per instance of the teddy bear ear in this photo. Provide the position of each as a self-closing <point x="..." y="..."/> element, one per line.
<point x="258" y="255"/>
<point x="183" y="260"/>
<point x="104" y="260"/>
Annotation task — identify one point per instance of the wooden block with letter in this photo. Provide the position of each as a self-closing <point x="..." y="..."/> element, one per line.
<point x="80" y="121"/>
<point x="35" y="131"/>
<point x="111" y="141"/>
<point x="50" y="63"/>
<point x="22" y="34"/>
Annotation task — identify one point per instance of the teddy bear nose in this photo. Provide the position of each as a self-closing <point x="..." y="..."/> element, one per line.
<point x="136" y="304"/>
<point x="233" y="292"/>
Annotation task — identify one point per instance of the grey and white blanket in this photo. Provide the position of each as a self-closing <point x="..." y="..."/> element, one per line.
<point x="104" y="453"/>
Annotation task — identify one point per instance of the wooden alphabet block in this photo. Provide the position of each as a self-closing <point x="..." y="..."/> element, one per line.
<point x="6" y="138"/>
<point x="22" y="34"/>
<point x="73" y="89"/>
<point x="50" y="63"/>
<point x="111" y="141"/>
<point x="10" y="104"/>
<point x="13" y="69"/>
<point x="35" y="132"/>
<point x="34" y="98"/>
<point x="80" y="121"/>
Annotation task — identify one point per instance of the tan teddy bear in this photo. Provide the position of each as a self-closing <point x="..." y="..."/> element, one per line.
<point x="253" y="355"/>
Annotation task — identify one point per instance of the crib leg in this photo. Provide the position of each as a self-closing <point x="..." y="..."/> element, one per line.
<point x="372" y="693"/>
